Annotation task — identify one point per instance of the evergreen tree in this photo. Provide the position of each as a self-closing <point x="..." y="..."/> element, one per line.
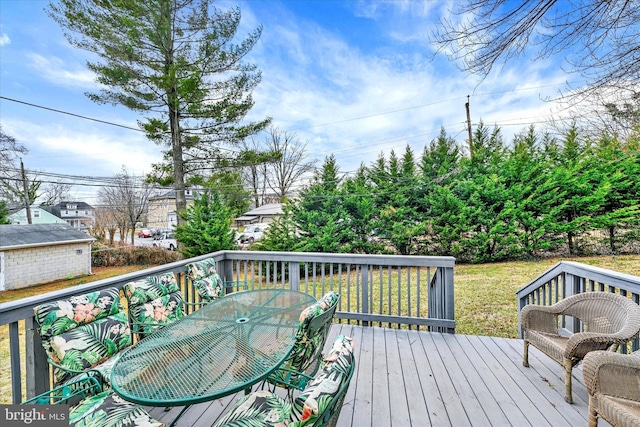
<point x="4" y="213"/>
<point x="319" y="215"/>
<point x="206" y="227"/>
<point x="180" y="64"/>
<point x="359" y="205"/>
<point x="281" y="234"/>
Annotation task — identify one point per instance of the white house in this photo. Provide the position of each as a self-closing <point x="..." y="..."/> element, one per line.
<point x="262" y="214"/>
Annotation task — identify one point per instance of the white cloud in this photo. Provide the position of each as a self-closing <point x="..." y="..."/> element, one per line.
<point x="356" y="104"/>
<point x="4" y="39"/>
<point x="73" y="147"/>
<point x="55" y="70"/>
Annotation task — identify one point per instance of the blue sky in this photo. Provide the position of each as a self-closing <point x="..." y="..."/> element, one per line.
<point x="352" y="78"/>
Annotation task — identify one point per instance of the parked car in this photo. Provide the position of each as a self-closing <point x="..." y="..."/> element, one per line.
<point x="159" y="232"/>
<point x="144" y="233"/>
<point x="167" y="241"/>
<point x="252" y="233"/>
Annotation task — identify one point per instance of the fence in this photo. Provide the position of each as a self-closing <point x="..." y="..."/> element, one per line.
<point x="401" y="291"/>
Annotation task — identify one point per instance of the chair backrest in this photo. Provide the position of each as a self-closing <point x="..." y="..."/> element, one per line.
<point x="205" y="279"/>
<point x="153" y="302"/>
<point x="315" y="322"/>
<point x="83" y="331"/>
<point x="604" y="312"/>
<point x="321" y="401"/>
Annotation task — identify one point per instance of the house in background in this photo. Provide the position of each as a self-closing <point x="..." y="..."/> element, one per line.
<point x="34" y="254"/>
<point x="38" y="216"/>
<point x="79" y="215"/>
<point x="261" y="215"/>
<point x="161" y="211"/>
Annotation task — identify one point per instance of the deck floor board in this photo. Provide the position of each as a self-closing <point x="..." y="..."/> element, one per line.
<point x="416" y="378"/>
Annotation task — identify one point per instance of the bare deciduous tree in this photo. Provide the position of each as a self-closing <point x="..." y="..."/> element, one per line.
<point x="283" y="173"/>
<point x="600" y="38"/>
<point x="126" y="200"/>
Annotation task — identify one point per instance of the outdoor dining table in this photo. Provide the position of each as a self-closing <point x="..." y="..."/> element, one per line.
<point x="226" y="346"/>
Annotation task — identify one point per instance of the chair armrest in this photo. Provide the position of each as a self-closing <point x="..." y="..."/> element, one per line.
<point x="81" y="387"/>
<point x="542" y="318"/>
<point x="289" y="378"/>
<point x="612" y="374"/>
<point x="92" y="372"/>
<point x="581" y="343"/>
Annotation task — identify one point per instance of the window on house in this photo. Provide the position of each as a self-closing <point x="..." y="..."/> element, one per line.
<point x="36" y="214"/>
<point x="76" y="212"/>
<point x="86" y="212"/>
<point x="66" y="212"/>
<point x="72" y="206"/>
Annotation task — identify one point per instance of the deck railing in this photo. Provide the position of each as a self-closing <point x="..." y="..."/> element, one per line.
<point x="568" y="278"/>
<point x="402" y="291"/>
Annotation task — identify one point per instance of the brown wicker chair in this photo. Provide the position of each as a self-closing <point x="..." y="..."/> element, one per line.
<point x="608" y="320"/>
<point x="614" y="390"/>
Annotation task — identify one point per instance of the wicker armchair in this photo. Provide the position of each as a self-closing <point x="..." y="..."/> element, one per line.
<point x="614" y="391"/>
<point x="608" y="320"/>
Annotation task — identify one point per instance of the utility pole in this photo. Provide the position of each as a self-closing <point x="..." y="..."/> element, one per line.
<point x="469" y="127"/>
<point x="25" y="185"/>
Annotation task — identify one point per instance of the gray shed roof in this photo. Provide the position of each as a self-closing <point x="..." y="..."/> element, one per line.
<point x="15" y="236"/>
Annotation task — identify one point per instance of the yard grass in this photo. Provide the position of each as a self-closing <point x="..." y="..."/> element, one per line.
<point x="485" y="299"/>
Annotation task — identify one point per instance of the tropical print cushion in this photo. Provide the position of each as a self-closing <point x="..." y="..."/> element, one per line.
<point x="201" y="269"/>
<point x="308" y="347"/>
<point x="205" y="279"/>
<point x="260" y="408"/>
<point x="154" y="301"/>
<point x="106" y="410"/>
<point x="327" y="388"/>
<point x="209" y="288"/>
<point x="82" y="332"/>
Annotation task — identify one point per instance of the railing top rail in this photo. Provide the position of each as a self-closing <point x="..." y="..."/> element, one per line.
<point x="22" y="308"/>
<point x="392" y="260"/>
<point x="620" y="280"/>
<point x="19" y="309"/>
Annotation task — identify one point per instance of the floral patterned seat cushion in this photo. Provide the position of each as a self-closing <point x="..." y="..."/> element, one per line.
<point x="327" y="388"/>
<point x="205" y="279"/>
<point x="106" y="409"/>
<point x="201" y="269"/>
<point x="308" y="347"/>
<point x="260" y="408"/>
<point x="83" y="332"/>
<point x="154" y="302"/>
<point x="209" y="288"/>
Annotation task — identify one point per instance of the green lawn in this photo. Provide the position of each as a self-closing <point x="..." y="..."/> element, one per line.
<point x="485" y="300"/>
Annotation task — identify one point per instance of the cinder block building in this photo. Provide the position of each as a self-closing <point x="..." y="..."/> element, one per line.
<point x="41" y="253"/>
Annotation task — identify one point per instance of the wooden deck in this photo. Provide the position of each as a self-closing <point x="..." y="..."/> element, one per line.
<point x="409" y="378"/>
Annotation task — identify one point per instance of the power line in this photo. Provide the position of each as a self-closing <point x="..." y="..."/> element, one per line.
<point x="70" y="114"/>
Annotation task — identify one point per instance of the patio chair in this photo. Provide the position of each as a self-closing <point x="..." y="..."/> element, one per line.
<point x="614" y="391"/>
<point x="83" y="334"/>
<point x="92" y="407"/>
<point x="205" y="279"/>
<point x="608" y="320"/>
<point x="319" y="404"/>
<point x="153" y="302"/>
<point x="305" y="358"/>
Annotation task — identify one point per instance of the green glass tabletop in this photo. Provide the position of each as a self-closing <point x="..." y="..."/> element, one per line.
<point x="226" y="346"/>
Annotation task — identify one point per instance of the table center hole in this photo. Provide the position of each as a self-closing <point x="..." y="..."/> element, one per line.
<point x="242" y="320"/>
